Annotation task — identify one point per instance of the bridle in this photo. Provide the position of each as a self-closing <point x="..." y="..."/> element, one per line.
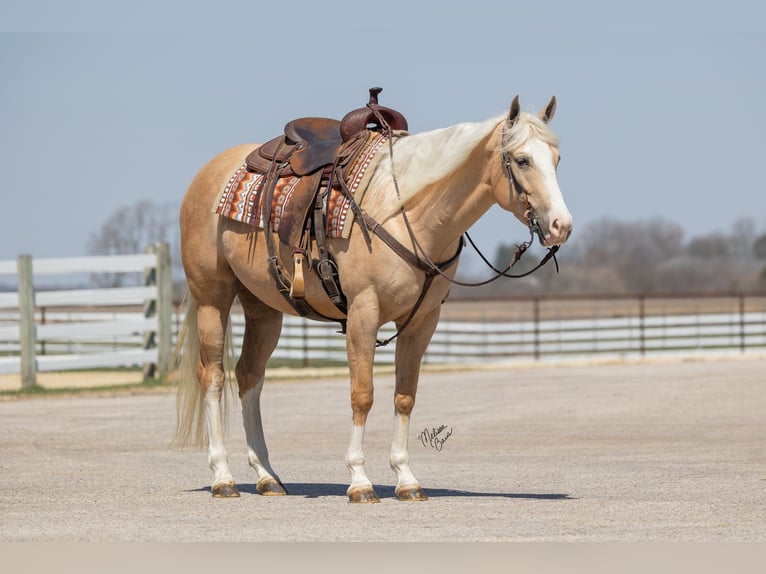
<point x="513" y="184"/>
<point x="506" y="161"/>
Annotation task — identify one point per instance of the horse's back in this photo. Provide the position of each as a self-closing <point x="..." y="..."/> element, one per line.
<point x="211" y="178"/>
<point x="199" y="224"/>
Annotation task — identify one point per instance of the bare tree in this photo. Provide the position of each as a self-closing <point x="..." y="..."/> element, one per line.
<point x="631" y="249"/>
<point x="759" y="250"/>
<point x="713" y="245"/>
<point x="606" y="256"/>
<point x="130" y="229"/>
<point x="613" y="256"/>
<point x="759" y="247"/>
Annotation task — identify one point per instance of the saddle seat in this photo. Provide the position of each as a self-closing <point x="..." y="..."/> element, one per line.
<point x="307" y="143"/>
<point x="308" y="149"/>
<point x="313" y="142"/>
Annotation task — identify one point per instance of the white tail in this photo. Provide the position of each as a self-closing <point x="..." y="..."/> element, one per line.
<point x="191" y="430"/>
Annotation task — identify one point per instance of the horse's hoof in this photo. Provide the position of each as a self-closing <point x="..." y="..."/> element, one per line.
<point x="411" y="493"/>
<point x="363" y="495"/>
<point x="226" y="490"/>
<point x="271" y="487"/>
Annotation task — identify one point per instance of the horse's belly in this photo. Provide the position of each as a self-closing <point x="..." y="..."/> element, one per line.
<point x="248" y="258"/>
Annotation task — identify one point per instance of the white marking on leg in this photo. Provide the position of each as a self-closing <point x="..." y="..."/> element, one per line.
<point x="217" y="457"/>
<point x="355" y="459"/>
<point x="257" y="452"/>
<point x="400" y="457"/>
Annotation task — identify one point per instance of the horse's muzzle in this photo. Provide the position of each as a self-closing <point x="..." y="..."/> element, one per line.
<point x="557" y="233"/>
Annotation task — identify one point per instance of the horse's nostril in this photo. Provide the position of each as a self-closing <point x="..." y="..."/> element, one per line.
<point x="558" y="230"/>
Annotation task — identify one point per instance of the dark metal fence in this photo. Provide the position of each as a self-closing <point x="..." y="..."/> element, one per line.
<point x="538" y="328"/>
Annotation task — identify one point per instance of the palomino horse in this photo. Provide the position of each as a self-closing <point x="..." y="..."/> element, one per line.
<point x="426" y="192"/>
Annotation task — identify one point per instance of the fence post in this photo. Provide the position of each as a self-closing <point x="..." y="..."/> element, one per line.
<point x="742" y="344"/>
<point x="641" y="319"/>
<point x="150" y="310"/>
<point x="161" y="307"/>
<point x="27" y="330"/>
<point x="164" y="309"/>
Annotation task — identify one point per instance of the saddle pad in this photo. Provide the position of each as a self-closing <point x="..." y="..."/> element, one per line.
<point x="240" y="198"/>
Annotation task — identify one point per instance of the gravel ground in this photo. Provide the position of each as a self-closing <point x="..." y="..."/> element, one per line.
<point x="654" y="451"/>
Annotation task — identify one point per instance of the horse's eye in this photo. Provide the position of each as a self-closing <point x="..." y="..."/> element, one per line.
<point x="522" y="161"/>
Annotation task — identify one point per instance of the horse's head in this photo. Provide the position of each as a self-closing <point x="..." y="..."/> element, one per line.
<point x="530" y="189"/>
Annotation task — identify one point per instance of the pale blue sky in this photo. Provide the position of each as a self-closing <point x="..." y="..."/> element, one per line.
<point x="661" y="105"/>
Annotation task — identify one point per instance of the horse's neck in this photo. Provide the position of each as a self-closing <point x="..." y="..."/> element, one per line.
<point x="447" y="208"/>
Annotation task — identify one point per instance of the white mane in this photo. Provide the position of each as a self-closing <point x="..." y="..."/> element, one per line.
<point x="422" y="159"/>
<point x="425" y="158"/>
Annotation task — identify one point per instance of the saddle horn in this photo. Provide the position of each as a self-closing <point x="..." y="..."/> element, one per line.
<point x="357" y="120"/>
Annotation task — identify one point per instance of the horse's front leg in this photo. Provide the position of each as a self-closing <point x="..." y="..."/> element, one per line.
<point x="410" y="348"/>
<point x="361" y="333"/>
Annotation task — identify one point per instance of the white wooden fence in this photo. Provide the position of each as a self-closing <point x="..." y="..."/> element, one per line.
<point x="37" y="335"/>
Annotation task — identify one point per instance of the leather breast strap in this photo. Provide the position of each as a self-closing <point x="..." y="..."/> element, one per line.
<point x="431" y="271"/>
<point x="406" y="254"/>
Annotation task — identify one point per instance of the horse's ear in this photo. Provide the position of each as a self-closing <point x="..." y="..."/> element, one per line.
<point x="513" y="113"/>
<point x="547" y="114"/>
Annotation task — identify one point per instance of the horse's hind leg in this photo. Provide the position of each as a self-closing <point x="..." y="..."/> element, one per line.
<point x="212" y="322"/>
<point x="263" y="326"/>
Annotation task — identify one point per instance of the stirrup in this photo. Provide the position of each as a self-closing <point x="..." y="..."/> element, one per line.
<point x="298" y="287"/>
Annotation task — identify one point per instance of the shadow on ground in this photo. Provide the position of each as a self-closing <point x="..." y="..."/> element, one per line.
<point x="318" y="490"/>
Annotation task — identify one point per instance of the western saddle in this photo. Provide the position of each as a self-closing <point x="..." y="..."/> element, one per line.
<point x="319" y="151"/>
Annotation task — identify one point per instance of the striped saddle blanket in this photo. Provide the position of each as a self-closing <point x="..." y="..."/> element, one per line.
<point x="240" y="199"/>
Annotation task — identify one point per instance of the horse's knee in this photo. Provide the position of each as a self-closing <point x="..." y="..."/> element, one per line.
<point x="361" y="403"/>
<point x="404" y="403"/>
